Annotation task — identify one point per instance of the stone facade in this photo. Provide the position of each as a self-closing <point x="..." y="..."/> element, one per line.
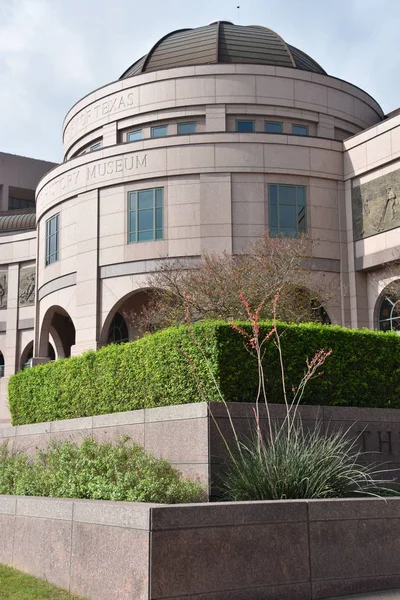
<point x="215" y="184"/>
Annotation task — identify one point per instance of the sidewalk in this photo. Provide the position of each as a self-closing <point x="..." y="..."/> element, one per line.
<point x="386" y="595"/>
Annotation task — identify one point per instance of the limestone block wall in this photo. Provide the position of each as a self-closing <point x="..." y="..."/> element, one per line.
<point x="372" y="183"/>
<point x="323" y="102"/>
<point x="17" y="311"/>
<point x="215" y="181"/>
<point x="215" y="199"/>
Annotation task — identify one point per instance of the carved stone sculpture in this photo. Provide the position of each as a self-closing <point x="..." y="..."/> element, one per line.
<point x="27" y="283"/>
<point x="376" y="205"/>
<point x="3" y="290"/>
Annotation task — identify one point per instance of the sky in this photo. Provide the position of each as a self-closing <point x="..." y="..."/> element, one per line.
<point x="53" y="52"/>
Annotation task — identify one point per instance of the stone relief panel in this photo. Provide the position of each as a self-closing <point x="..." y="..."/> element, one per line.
<point x="27" y="284"/>
<point x="376" y="205"/>
<point x="3" y="289"/>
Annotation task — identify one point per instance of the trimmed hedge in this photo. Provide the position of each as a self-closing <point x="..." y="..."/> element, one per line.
<point x="168" y="368"/>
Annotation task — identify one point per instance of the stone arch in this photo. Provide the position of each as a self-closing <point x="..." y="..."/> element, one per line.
<point x="387" y="308"/>
<point x="58" y="325"/>
<point x="131" y="302"/>
<point x="27" y="354"/>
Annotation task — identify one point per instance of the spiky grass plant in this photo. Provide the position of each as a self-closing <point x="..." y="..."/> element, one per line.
<point x="306" y="464"/>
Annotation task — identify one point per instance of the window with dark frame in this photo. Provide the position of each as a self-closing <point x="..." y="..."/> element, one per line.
<point x="299" y="129"/>
<point x="159" y="131"/>
<point x="19" y="203"/>
<point x="145" y="218"/>
<point x="52" y="239"/>
<point x="245" y="126"/>
<point x="118" y="332"/>
<point x="134" y="136"/>
<point x="287" y="210"/>
<point x="389" y="314"/>
<point x="187" y="128"/>
<point x="273" y="127"/>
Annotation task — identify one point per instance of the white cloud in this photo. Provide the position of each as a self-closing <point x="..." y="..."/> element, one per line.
<point x="41" y="58"/>
<point x="53" y="52"/>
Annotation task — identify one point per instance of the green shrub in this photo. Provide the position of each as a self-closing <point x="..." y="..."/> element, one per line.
<point x="97" y="471"/>
<point x="168" y="368"/>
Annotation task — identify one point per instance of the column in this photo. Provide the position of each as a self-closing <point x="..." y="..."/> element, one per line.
<point x="87" y="298"/>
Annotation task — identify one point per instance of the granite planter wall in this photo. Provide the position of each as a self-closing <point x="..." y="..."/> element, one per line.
<point x="287" y="550"/>
<point x="188" y="437"/>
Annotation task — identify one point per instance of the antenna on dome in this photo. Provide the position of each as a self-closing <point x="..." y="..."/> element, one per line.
<point x="238" y="9"/>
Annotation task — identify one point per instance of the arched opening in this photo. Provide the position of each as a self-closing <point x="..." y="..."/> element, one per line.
<point x="121" y="325"/>
<point x="118" y="332"/>
<point x="27" y="355"/>
<point x="300" y="304"/>
<point x="389" y="311"/>
<point x="58" y="324"/>
<point x="2" y="365"/>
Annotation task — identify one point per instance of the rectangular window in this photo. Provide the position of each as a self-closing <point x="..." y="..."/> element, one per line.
<point x="19" y="203"/>
<point x="300" y="129"/>
<point x="273" y="127"/>
<point x="159" y="131"/>
<point x="245" y="126"/>
<point x="52" y="239"/>
<point x="287" y="210"/>
<point x="145" y="215"/>
<point x="187" y="128"/>
<point x="95" y="147"/>
<point x="134" y="136"/>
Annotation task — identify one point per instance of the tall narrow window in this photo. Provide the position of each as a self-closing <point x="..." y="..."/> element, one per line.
<point x="134" y="136"/>
<point x="52" y="239"/>
<point x="146" y="215"/>
<point x="187" y="128"/>
<point x="287" y="210"/>
<point x="245" y="126"/>
<point x="299" y="129"/>
<point x="1" y="365"/>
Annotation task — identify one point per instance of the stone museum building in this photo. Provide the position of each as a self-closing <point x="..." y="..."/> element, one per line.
<point x="216" y="135"/>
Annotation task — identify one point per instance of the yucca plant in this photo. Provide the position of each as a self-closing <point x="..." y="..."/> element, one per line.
<point x="308" y="464"/>
<point x="288" y="461"/>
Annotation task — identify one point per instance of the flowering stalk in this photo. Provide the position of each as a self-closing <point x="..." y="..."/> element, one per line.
<point x="254" y="345"/>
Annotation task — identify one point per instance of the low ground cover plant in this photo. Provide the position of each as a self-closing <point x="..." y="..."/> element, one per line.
<point x="363" y="370"/>
<point x="95" y="470"/>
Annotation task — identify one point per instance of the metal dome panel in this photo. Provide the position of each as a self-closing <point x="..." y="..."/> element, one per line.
<point x="17" y="222"/>
<point x="222" y="42"/>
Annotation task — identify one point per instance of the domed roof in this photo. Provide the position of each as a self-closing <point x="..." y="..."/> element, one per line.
<point x="222" y="42"/>
<point x="17" y="221"/>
